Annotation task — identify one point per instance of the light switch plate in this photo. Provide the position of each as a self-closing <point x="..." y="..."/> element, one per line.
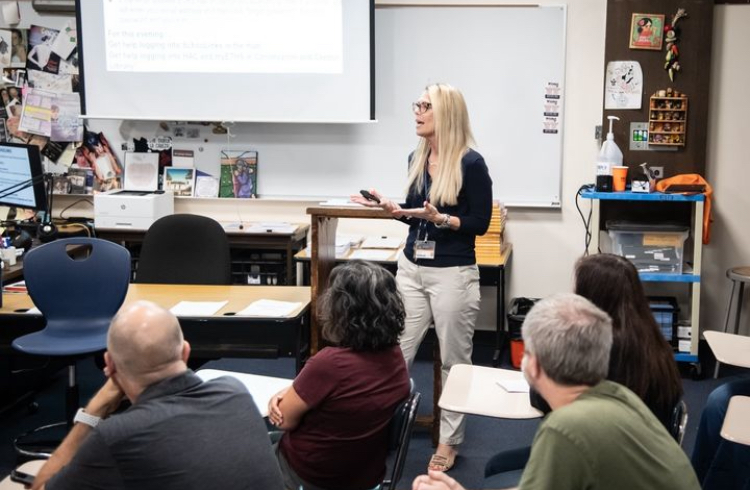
<point x="639" y="136"/>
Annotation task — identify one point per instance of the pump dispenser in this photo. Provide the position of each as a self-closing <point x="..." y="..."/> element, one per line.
<point x="609" y="156"/>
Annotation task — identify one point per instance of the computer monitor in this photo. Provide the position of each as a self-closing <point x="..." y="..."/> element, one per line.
<point x="21" y="177"/>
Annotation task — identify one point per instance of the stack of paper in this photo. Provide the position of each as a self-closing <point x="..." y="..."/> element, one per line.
<point x="197" y="308"/>
<point x="16" y="287"/>
<point x="382" y="242"/>
<point x="269" y="308"/>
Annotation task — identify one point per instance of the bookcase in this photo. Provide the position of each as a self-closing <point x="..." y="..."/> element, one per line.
<point x="645" y="207"/>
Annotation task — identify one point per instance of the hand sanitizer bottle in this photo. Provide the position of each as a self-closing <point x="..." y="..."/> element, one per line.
<point x="609" y="156"/>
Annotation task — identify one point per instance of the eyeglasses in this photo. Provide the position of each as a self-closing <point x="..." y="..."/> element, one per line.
<point x="421" y="107"/>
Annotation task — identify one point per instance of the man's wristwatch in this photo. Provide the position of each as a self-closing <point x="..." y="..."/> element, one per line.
<point x="86" y="418"/>
<point x="446" y="223"/>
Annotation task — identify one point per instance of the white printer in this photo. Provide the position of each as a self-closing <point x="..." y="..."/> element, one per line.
<point x="131" y="210"/>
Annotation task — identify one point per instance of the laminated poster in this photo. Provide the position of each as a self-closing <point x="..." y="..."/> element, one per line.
<point x="623" y="85"/>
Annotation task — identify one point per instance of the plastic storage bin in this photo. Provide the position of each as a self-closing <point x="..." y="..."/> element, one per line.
<point x="519" y="307"/>
<point x="665" y="310"/>
<point x="650" y="247"/>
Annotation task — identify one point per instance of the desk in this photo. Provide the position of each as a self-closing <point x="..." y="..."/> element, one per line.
<point x="241" y="243"/>
<point x="474" y="390"/>
<point x="736" y="427"/>
<point x="729" y="348"/>
<point x="261" y="388"/>
<point x="14" y="272"/>
<point x="492" y="272"/>
<point x="220" y="335"/>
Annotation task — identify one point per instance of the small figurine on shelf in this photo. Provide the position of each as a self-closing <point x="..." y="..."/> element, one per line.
<point x="672" y="65"/>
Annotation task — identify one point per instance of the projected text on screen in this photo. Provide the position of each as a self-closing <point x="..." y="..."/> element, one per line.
<point x="224" y="36"/>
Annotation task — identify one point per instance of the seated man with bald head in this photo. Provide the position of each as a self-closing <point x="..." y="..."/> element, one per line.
<point x="179" y="432"/>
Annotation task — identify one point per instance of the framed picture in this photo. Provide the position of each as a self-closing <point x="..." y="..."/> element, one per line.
<point x="179" y="180"/>
<point x="646" y="31"/>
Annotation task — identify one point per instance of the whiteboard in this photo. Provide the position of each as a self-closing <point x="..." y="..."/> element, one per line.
<point x="501" y="57"/>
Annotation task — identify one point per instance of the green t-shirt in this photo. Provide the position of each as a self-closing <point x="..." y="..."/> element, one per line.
<point x="606" y="439"/>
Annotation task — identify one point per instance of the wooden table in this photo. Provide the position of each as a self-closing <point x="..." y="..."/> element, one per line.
<point x="729" y="348"/>
<point x="736" y="427"/>
<point x="211" y="337"/>
<point x="475" y="390"/>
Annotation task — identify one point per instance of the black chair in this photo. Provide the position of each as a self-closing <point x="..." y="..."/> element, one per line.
<point x="679" y="421"/>
<point x="78" y="284"/>
<point x="185" y="249"/>
<point x="399" y="436"/>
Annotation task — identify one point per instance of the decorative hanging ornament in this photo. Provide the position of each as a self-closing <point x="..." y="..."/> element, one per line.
<point x="671" y="38"/>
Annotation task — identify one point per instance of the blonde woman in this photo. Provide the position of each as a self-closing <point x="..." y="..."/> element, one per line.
<point x="448" y="203"/>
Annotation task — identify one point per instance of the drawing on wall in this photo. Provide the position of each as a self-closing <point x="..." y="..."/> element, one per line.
<point x="646" y="31"/>
<point x="623" y="85"/>
<point x="239" y="174"/>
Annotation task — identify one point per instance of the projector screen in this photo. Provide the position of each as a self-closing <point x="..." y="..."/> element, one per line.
<point x="227" y="60"/>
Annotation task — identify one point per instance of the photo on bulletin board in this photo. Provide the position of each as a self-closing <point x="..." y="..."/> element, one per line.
<point x="181" y="181"/>
<point x="646" y="31"/>
<point x="141" y="171"/>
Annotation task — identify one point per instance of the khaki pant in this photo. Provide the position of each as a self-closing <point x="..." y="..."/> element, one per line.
<point x="447" y="297"/>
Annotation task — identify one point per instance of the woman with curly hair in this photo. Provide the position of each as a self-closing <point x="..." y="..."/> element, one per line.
<point x="337" y="411"/>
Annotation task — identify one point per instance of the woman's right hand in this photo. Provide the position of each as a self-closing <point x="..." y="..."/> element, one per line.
<point x="384" y="203"/>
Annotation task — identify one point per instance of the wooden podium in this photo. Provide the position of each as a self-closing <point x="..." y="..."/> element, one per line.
<point x="324" y="221"/>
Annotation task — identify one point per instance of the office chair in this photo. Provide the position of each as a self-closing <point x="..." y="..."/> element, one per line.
<point x="679" y="421"/>
<point x="399" y="436"/>
<point x="184" y="249"/>
<point x="78" y="284"/>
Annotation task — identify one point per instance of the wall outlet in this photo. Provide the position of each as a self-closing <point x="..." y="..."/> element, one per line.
<point x="657" y="172"/>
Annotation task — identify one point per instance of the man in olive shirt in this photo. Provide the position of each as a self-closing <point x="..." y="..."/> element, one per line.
<point x="599" y="435"/>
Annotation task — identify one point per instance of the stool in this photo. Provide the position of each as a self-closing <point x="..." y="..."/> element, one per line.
<point x="738" y="275"/>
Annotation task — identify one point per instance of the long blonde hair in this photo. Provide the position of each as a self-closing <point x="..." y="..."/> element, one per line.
<point x="453" y="132"/>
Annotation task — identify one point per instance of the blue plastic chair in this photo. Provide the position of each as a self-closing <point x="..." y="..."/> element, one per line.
<point x="78" y="284"/>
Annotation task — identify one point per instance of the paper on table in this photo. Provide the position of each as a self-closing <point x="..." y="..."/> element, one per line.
<point x="197" y="308"/>
<point x="514" y="385"/>
<point x="371" y="254"/>
<point x="271" y="227"/>
<point x="382" y="242"/>
<point x="269" y="308"/>
<point x="341" y="202"/>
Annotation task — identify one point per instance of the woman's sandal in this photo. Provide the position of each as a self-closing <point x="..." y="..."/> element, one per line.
<point x="441" y="463"/>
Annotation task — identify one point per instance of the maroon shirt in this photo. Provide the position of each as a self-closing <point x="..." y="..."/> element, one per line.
<point x="341" y="442"/>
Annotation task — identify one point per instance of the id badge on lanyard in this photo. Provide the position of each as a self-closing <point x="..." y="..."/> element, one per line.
<point x="424" y="249"/>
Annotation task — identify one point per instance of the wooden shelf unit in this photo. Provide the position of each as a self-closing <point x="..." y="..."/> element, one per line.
<point x="667" y="120"/>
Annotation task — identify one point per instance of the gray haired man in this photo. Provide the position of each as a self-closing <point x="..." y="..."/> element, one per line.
<point x="599" y="435"/>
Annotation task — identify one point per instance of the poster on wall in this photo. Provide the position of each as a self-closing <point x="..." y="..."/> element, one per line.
<point x="623" y="85"/>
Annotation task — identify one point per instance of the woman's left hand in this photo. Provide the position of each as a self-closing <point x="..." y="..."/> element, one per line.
<point x="274" y="412"/>
<point x="428" y="212"/>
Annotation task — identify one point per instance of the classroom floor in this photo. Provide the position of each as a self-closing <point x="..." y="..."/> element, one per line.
<point x="484" y="436"/>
